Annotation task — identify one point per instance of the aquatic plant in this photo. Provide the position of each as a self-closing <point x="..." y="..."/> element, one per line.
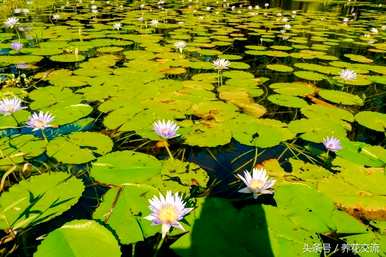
<point x="11" y="22"/>
<point x="167" y="211"/>
<point x="180" y="45"/>
<point x="256" y="182"/>
<point x="8" y="106"/>
<point x="332" y="144"/>
<point x="348" y="75"/>
<point x="166" y="129"/>
<point x="40" y="120"/>
<point x="17" y="46"/>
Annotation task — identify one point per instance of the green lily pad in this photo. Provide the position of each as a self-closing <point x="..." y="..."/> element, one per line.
<point x="340" y="97"/>
<point x="79" y="238"/>
<point x="280" y="67"/>
<point x="38" y="199"/>
<point x="124" y="210"/>
<point x="125" y="167"/>
<point x="309" y="75"/>
<point x="287" y="100"/>
<point x="372" y="120"/>
<point x="67" y="58"/>
<point x="79" y="147"/>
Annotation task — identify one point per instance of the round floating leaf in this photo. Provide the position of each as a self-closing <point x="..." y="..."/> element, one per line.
<point x="280" y="68"/>
<point x="79" y="147"/>
<point x="357" y="189"/>
<point x="67" y="58"/>
<point x="372" y="120"/>
<point x="19" y="148"/>
<point x="38" y="199"/>
<point x="123" y="210"/>
<point x="340" y="97"/>
<point x="309" y="75"/>
<point x="287" y="101"/>
<point x="378" y="79"/>
<point x="79" y="238"/>
<point x="259" y="132"/>
<point x="125" y="167"/>
<point x="294" y="88"/>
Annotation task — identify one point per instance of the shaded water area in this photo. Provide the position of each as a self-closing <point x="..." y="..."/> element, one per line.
<point x="299" y="72"/>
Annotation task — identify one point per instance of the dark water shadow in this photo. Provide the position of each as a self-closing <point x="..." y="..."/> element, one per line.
<point x="226" y="230"/>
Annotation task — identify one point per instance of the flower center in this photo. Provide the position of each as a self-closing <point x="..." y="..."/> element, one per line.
<point x="256" y="184"/>
<point x="39" y="124"/>
<point x="167" y="215"/>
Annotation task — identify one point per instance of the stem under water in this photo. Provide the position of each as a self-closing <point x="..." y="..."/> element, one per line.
<point x="44" y="136"/>
<point x="168" y="150"/>
<point x="159" y="246"/>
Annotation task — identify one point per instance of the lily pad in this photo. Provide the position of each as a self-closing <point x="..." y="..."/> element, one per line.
<point x="79" y="238"/>
<point x="38" y="199"/>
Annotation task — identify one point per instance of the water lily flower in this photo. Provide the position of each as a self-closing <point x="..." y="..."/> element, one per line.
<point x="117" y="26"/>
<point x="40" y="120"/>
<point x="166" y="129"/>
<point x="154" y="23"/>
<point x="180" y="45"/>
<point x="348" y="75"/>
<point x="142" y="6"/>
<point x="221" y="64"/>
<point x="17" y="11"/>
<point x="11" y="22"/>
<point x="287" y="26"/>
<point x="8" y="106"/>
<point x="17" y="46"/>
<point x="266" y="4"/>
<point x="167" y="211"/>
<point x="257" y="183"/>
<point x="56" y="17"/>
<point x="257" y="7"/>
<point x="383" y="27"/>
<point x="250" y="7"/>
<point x="374" y="30"/>
<point x="332" y="144"/>
<point x="141" y="19"/>
<point x="345" y="20"/>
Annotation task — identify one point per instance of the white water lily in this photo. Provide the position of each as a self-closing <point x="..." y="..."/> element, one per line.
<point x="166" y="129"/>
<point x="374" y="30"/>
<point x="117" y="26"/>
<point x="348" y="75"/>
<point x="154" y="23"/>
<point x="8" y="106"/>
<point x="180" y="45"/>
<point x="257" y="183"/>
<point x="40" y="120"/>
<point x="167" y="211"/>
<point x="287" y="26"/>
<point x="11" y="22"/>
<point x="221" y="64"/>
<point x="55" y="17"/>
<point x="332" y="144"/>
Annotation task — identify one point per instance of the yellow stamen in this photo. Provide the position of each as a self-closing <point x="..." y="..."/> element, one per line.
<point x="167" y="215"/>
<point x="256" y="184"/>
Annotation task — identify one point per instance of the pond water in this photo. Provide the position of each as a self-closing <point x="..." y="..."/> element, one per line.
<point x="291" y="88"/>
